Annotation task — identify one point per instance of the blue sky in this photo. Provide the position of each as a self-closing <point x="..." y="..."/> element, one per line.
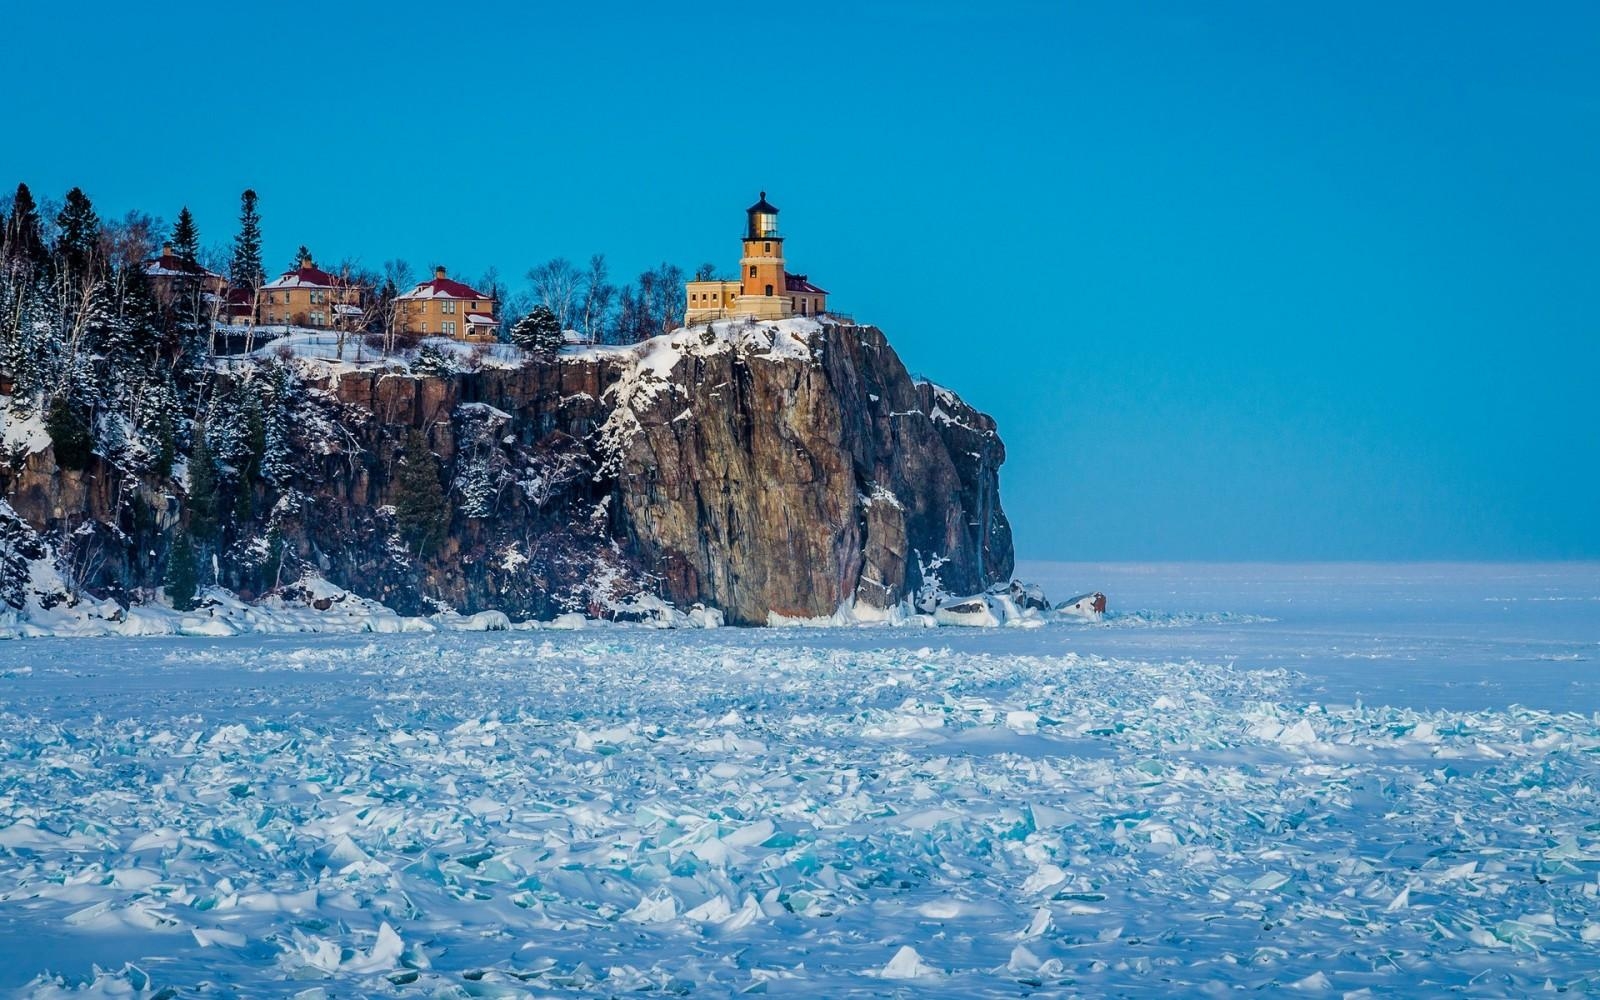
<point x="1239" y="281"/>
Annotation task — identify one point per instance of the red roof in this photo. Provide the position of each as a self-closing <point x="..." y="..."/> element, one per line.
<point x="171" y="263"/>
<point x="313" y="277"/>
<point x="443" y="288"/>
<point x="798" y="283"/>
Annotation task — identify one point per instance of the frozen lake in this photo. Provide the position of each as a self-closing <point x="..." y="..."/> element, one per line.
<point x="1337" y="778"/>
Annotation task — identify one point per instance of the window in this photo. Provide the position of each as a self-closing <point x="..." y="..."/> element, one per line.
<point x="317" y="319"/>
<point x="769" y="291"/>
<point x="447" y="307"/>
<point x="424" y="326"/>
<point x="768" y="248"/>
<point x="449" y="328"/>
<point x="752" y="270"/>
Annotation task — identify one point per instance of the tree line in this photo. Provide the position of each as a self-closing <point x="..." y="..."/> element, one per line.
<point x="112" y="361"/>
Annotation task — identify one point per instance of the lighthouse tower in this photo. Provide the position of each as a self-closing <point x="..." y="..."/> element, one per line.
<point x="761" y="274"/>
<point x="764" y="288"/>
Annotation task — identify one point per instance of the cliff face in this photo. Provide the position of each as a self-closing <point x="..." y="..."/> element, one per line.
<point x="777" y="468"/>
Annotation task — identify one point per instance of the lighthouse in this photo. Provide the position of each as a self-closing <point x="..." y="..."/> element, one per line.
<point x="764" y="288"/>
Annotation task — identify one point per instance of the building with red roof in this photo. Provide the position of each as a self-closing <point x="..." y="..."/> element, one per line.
<point x="309" y="296"/>
<point x="173" y="278"/>
<point x="444" y="307"/>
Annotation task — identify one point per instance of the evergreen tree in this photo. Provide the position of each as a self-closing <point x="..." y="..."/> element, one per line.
<point x="277" y="433"/>
<point x="24" y="242"/>
<point x="131" y="336"/>
<point x="202" y="488"/>
<point x="432" y="361"/>
<point x="182" y="579"/>
<point x="419" y="500"/>
<point x="68" y="427"/>
<point x="538" y="333"/>
<point x="158" y="420"/>
<point x="249" y="463"/>
<point x="78" y="241"/>
<point x="245" y="269"/>
<point x="186" y="238"/>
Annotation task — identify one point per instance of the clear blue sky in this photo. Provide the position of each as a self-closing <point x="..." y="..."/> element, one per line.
<point x="1239" y="281"/>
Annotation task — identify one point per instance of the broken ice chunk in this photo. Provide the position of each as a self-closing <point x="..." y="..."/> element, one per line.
<point x="907" y="964"/>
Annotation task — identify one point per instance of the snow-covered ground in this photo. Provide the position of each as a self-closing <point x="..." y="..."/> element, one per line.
<point x="1328" y="778"/>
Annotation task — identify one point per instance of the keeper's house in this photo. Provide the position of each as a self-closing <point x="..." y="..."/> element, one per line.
<point x="446" y="308"/>
<point x="310" y="296"/>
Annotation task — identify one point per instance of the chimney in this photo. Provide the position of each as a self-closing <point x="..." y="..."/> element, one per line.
<point x="438" y="273"/>
<point x="307" y="262"/>
<point x="166" y="250"/>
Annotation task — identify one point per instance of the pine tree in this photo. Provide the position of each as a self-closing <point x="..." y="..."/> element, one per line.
<point x="419" y="501"/>
<point x="131" y="337"/>
<point x="158" y="420"/>
<point x="277" y="437"/>
<point x="431" y="361"/>
<point x="78" y="242"/>
<point x="186" y="239"/>
<point x="182" y="579"/>
<point x="24" y="242"/>
<point x="68" y="427"/>
<point x="202" y="488"/>
<point x="538" y="333"/>
<point x="245" y="269"/>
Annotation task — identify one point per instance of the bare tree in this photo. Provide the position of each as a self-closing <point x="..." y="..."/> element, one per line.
<point x="666" y="297"/>
<point x="398" y="276"/>
<point x="598" y="294"/>
<point x="555" y="284"/>
<point x="355" y="308"/>
<point x="491" y="285"/>
<point x="131" y="240"/>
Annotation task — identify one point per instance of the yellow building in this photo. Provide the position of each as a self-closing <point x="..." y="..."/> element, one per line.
<point x="765" y="289"/>
<point x="310" y="296"/>
<point x="445" y="308"/>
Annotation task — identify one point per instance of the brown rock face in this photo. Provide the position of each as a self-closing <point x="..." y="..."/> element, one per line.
<point x="781" y="468"/>
<point x="791" y="478"/>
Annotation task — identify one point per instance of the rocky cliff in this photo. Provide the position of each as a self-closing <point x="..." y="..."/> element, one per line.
<point x="782" y="468"/>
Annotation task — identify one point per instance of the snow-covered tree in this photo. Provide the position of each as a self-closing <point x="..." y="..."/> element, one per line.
<point x="158" y="420"/>
<point x="431" y="360"/>
<point x="555" y="467"/>
<point x="477" y="483"/>
<point x="538" y="333"/>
